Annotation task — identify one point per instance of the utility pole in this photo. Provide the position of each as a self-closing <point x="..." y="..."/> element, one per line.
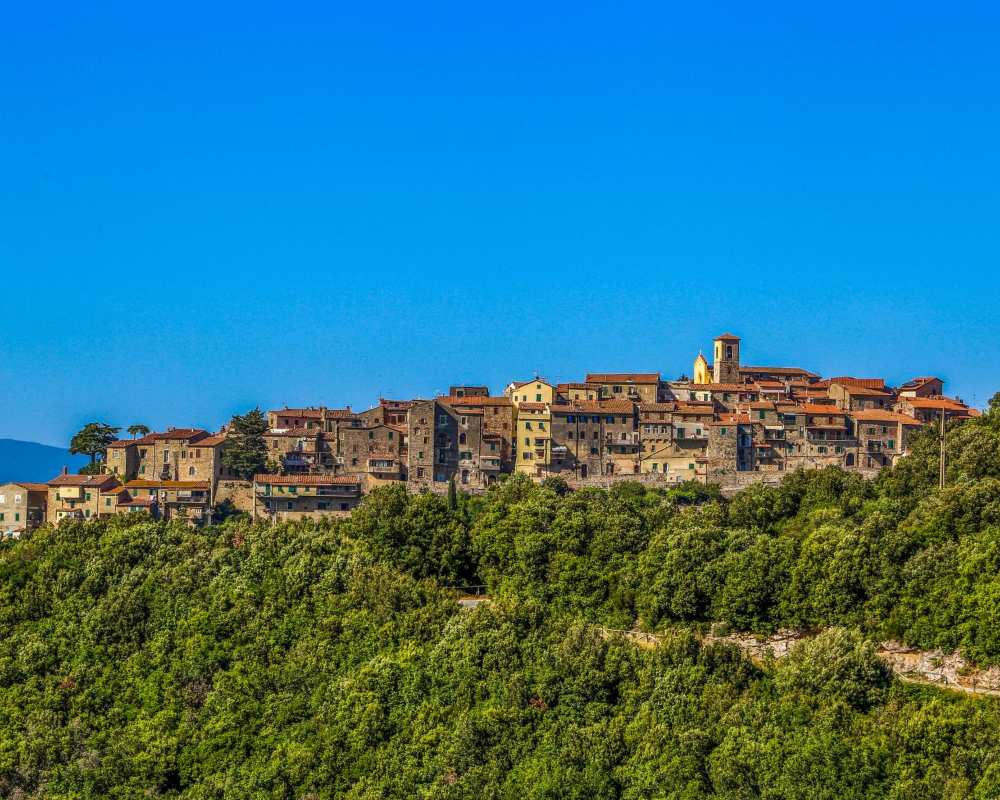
<point x="941" y="460"/>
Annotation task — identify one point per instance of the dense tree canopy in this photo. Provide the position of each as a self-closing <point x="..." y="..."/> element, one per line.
<point x="93" y="440"/>
<point x="245" y="453"/>
<point x="148" y="659"/>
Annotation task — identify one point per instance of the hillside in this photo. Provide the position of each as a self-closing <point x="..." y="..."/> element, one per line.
<point x="309" y="660"/>
<point x="30" y="461"/>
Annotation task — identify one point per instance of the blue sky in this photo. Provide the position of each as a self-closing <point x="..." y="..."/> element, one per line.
<point x="212" y="206"/>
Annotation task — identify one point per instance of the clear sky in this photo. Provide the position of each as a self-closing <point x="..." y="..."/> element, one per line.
<point x="205" y="207"/>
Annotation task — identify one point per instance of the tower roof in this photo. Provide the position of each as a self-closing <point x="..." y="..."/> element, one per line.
<point x="727" y="337"/>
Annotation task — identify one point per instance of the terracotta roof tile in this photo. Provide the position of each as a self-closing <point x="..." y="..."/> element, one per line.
<point x="32" y="487"/>
<point x="308" y="480"/>
<point x="623" y="377"/>
<point x="191" y="485"/>
<point x="100" y="481"/>
<point x="883" y="415"/>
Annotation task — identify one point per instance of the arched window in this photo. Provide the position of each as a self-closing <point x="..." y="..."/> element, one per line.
<point x="461" y="438"/>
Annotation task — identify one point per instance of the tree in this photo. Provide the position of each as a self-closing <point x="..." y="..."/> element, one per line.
<point x="92" y="440"/>
<point x="138" y="430"/>
<point x="246" y="451"/>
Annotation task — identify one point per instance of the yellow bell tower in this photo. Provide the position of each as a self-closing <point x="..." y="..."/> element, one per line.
<point x="702" y="374"/>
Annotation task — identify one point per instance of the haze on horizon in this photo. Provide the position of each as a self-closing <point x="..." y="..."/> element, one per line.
<point x="211" y="208"/>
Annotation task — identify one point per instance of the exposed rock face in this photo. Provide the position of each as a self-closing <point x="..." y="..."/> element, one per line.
<point x="908" y="663"/>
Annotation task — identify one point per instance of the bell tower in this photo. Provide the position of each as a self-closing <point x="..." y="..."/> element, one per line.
<point x="726" y="351"/>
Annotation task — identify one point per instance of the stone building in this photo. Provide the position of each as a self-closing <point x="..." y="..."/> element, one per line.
<point x="296" y="450"/>
<point x="589" y="438"/>
<point x="283" y="498"/>
<point x="860" y="394"/>
<point x="634" y="387"/>
<point x="931" y="409"/>
<point x="729" y="450"/>
<point x="376" y="454"/>
<point x="883" y="436"/>
<point x="190" y="501"/>
<point x="927" y="386"/>
<point x="468" y="391"/>
<point x="572" y="392"/>
<point x="80" y="497"/>
<point x="479" y="450"/>
<point x="498" y="421"/>
<point x="190" y="454"/>
<point x="726" y="355"/>
<point x="432" y="455"/>
<point x="22" y="507"/>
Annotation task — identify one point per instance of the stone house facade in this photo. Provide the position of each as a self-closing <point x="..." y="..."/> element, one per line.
<point x="22" y="507"/>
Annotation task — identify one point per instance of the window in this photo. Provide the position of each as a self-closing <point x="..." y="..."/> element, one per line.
<point x="527" y="426"/>
<point x="595" y="419"/>
<point x="343" y="506"/>
<point x="761" y="414"/>
<point x="569" y="418"/>
<point x="527" y="440"/>
<point x="461" y="438"/>
<point x="87" y="496"/>
<point x="593" y="451"/>
<point x="289" y="505"/>
<point x="541" y="426"/>
<point x="17" y="517"/>
<point x="190" y="470"/>
<point x="420" y="471"/>
<point x="354" y="460"/>
<point x="107" y="501"/>
<point x="725" y="431"/>
<point x="538" y="398"/>
<point x="390" y="436"/>
<point x="527" y="456"/>
<point x="321" y="506"/>
<point x="610" y="420"/>
<point x="655" y="467"/>
<point x="892" y="444"/>
<point x="166" y="456"/>
<point x="1" y="516"/>
<point x="680" y="433"/>
<point x="569" y="435"/>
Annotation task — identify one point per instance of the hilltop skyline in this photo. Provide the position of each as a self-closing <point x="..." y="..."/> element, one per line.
<point x="219" y="208"/>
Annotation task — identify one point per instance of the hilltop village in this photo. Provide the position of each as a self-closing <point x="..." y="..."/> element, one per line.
<point x="729" y="424"/>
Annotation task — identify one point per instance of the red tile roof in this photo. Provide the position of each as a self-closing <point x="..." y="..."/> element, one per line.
<point x="779" y="371"/>
<point x="100" y="481"/>
<point x="315" y="412"/>
<point x="882" y="415"/>
<point x="727" y="337"/>
<point x="308" y="480"/>
<point x="831" y="410"/>
<point x="532" y="406"/>
<point x="867" y="383"/>
<point x="475" y="401"/>
<point x="191" y="485"/>
<point x="32" y="487"/>
<point x="623" y="377"/>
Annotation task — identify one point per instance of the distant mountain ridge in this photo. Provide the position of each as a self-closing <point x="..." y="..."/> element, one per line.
<point x="31" y="461"/>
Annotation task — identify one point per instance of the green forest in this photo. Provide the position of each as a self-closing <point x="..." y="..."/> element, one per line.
<point x="142" y="659"/>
